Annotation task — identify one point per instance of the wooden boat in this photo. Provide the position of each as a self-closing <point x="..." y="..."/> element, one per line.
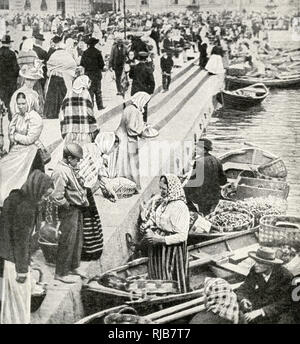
<point x="223" y="257"/>
<point x="284" y="81"/>
<point x="244" y="159"/>
<point x="244" y="98"/>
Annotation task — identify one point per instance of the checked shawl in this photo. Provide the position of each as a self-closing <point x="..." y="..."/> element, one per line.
<point x="77" y="115"/>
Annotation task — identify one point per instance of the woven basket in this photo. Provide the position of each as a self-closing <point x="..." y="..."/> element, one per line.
<point x="279" y="230"/>
<point x="49" y="250"/>
<point x="274" y="169"/>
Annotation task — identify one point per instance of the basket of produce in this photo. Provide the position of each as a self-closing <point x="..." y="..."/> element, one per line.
<point x="229" y="217"/>
<point x="260" y="207"/>
<point x="276" y="230"/>
<point x="255" y="187"/>
<point x="237" y="70"/>
<point x="152" y="287"/>
<point x="274" y="169"/>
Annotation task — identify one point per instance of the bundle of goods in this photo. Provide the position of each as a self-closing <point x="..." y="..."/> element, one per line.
<point x="286" y="253"/>
<point x="260" y="207"/>
<point x="237" y="70"/>
<point x="230" y="217"/>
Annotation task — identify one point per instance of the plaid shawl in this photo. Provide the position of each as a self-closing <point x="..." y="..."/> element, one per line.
<point x="220" y="299"/>
<point x="77" y="115"/>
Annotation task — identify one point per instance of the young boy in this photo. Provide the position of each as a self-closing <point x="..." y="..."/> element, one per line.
<point x="71" y="197"/>
<point x="166" y="65"/>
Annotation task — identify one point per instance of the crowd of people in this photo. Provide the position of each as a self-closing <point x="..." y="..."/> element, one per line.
<point x="64" y="84"/>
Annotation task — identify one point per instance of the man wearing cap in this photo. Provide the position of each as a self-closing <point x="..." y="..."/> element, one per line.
<point x="41" y="53"/>
<point x="93" y="63"/>
<point x="71" y="196"/>
<point x="265" y="295"/>
<point x="204" y="186"/>
<point x="142" y="78"/>
<point x="117" y="61"/>
<point x="9" y="71"/>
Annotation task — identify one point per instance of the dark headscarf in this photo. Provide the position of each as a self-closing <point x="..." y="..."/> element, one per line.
<point x="36" y="185"/>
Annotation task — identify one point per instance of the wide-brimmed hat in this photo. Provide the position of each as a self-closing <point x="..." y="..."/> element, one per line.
<point x="6" y="39"/>
<point x="31" y="73"/>
<point x="92" y="41"/>
<point x="265" y="255"/>
<point x="206" y="143"/>
<point x="143" y="54"/>
<point x="57" y="39"/>
<point x="74" y="149"/>
<point x="39" y="36"/>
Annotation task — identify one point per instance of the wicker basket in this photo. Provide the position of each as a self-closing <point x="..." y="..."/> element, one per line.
<point x="49" y="250"/>
<point x="279" y="230"/>
<point x="274" y="169"/>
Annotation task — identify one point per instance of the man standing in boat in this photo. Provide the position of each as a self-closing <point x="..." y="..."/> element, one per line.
<point x="204" y="186"/>
<point x="265" y="295"/>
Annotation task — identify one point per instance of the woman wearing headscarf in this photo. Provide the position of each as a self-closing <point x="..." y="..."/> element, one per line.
<point x="221" y="304"/>
<point x="130" y="129"/>
<point x="61" y="68"/>
<point x="77" y="121"/>
<point x="166" y="231"/>
<point x="24" y="132"/>
<point x="18" y="220"/>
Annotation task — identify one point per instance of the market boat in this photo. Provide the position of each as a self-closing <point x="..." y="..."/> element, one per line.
<point x="244" y="98"/>
<point x="284" y="81"/>
<point x="223" y="257"/>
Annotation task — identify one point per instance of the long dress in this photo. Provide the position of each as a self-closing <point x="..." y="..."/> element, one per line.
<point x="131" y="126"/>
<point x="170" y="261"/>
<point x="23" y="156"/>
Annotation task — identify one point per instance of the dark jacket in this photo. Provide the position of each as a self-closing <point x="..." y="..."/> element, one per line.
<point x="9" y="68"/>
<point x="204" y="184"/>
<point x="117" y="57"/>
<point x="142" y="79"/>
<point x="16" y="225"/>
<point x="168" y="45"/>
<point x="155" y="35"/>
<point x="43" y="56"/>
<point x="274" y="296"/>
<point x="166" y="64"/>
<point x="93" y="63"/>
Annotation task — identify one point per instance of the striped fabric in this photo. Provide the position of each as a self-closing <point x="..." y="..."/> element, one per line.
<point x="169" y="263"/>
<point x="92" y="232"/>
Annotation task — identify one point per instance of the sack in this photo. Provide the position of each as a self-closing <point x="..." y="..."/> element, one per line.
<point x="123" y="187"/>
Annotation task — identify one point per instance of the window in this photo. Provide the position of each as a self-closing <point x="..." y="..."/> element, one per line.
<point x="61" y="5"/>
<point x="193" y="2"/>
<point x="27" y="6"/>
<point x="4" y="4"/>
<point x="44" y="6"/>
<point x="175" y="2"/>
<point x="144" y="2"/>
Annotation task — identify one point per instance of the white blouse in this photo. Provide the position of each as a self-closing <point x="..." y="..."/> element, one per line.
<point x="174" y="219"/>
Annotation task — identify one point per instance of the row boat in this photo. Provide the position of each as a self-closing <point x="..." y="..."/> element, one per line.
<point x="244" y="98"/>
<point x="282" y="82"/>
<point x="222" y="256"/>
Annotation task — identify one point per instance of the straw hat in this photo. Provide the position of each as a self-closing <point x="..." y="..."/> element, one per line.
<point x="31" y="73"/>
<point x="265" y="255"/>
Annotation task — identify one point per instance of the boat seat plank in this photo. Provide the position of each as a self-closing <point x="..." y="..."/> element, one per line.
<point x="236" y="165"/>
<point x="242" y="253"/>
<point x="233" y="268"/>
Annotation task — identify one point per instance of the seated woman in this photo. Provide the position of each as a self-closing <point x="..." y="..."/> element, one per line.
<point x="221" y="305"/>
<point x="77" y="121"/>
<point x="25" y="129"/>
<point x="166" y="232"/>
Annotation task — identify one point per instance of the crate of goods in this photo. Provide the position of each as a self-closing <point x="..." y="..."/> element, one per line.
<point x="255" y="187"/>
<point x="274" y="169"/>
<point x="237" y="70"/>
<point x="279" y="230"/>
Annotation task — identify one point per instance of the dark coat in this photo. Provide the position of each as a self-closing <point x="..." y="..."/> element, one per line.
<point x="142" y="79"/>
<point x="93" y="63"/>
<point x="117" y="57"/>
<point x="166" y="64"/>
<point x="16" y="225"/>
<point x="155" y="35"/>
<point x="168" y="45"/>
<point x="274" y="296"/>
<point x="203" y="188"/>
<point x="43" y="56"/>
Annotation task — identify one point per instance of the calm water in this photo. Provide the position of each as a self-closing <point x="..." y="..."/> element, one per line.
<point x="274" y="126"/>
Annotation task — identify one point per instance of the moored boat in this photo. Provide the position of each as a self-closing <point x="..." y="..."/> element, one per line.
<point x="284" y="81"/>
<point x="244" y="98"/>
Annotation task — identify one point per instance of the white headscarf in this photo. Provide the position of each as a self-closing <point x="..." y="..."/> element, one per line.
<point x="27" y="45"/>
<point x="81" y="83"/>
<point x="140" y="99"/>
<point x="105" y="142"/>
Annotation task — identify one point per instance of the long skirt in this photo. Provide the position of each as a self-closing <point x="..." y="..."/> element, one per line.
<point x="169" y="263"/>
<point x="16" y="297"/>
<point x="55" y="95"/>
<point x="92" y="232"/>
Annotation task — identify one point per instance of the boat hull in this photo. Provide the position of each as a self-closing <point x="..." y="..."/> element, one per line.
<point x="235" y="83"/>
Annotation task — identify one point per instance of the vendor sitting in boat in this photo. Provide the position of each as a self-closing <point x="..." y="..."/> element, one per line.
<point x="165" y="233"/>
<point x="265" y="295"/>
<point x="203" y="188"/>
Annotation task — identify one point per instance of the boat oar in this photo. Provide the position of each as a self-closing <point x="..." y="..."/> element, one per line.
<point x="180" y="315"/>
<point x="176" y="308"/>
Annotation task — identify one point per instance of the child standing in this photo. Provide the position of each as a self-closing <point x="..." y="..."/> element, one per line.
<point x="166" y="65"/>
